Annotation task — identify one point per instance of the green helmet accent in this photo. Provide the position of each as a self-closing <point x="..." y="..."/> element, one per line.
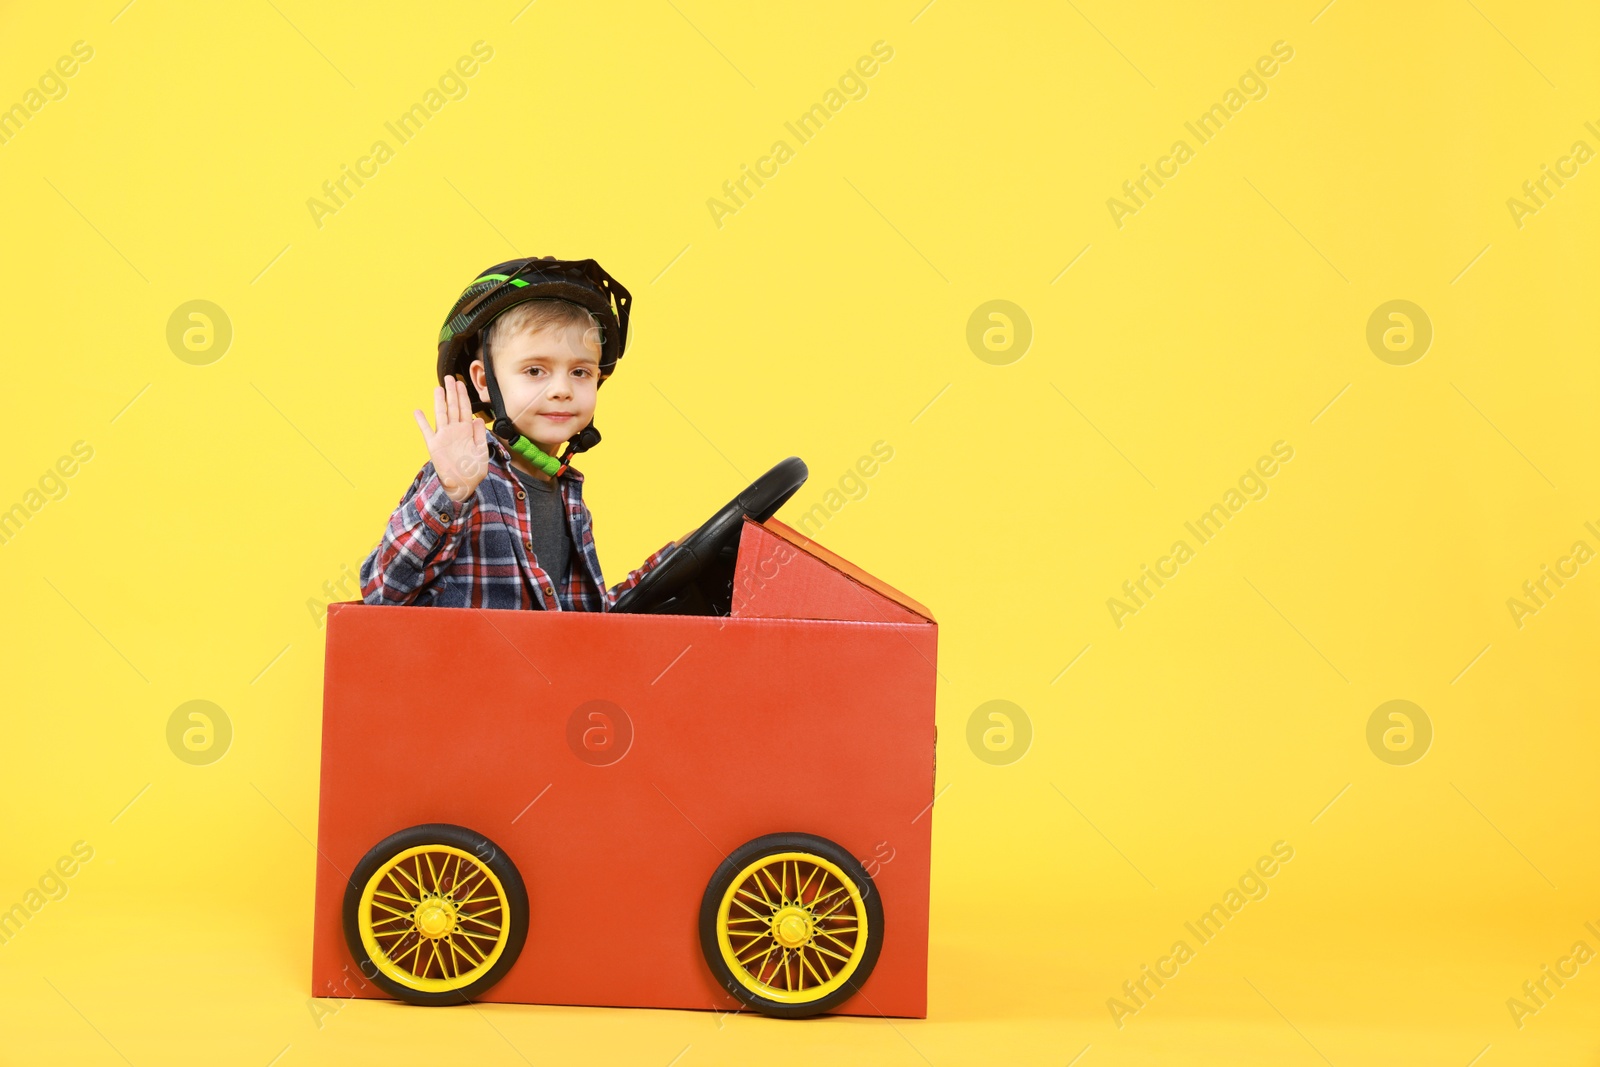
<point x="456" y="323"/>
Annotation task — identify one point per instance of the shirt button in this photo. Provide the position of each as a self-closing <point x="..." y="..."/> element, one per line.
<point x="529" y="544"/>
<point x="521" y="495"/>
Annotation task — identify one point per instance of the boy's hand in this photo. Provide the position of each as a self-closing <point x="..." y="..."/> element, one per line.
<point x="459" y="447"/>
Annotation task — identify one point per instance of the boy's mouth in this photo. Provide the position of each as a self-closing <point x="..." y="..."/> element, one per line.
<point x="557" y="416"/>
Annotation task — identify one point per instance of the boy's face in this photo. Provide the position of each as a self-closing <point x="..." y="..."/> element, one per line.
<point x="548" y="380"/>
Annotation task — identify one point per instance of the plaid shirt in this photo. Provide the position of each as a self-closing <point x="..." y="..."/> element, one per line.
<point x="479" y="553"/>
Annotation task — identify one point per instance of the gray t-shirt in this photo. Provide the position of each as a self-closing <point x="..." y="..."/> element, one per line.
<point x="547" y="526"/>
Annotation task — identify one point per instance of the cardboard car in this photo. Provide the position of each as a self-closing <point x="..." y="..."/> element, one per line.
<point x="712" y="811"/>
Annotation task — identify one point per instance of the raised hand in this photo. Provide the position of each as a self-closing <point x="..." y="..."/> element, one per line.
<point x="459" y="445"/>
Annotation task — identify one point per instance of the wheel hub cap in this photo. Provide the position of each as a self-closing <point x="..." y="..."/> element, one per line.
<point x="436" y="917"/>
<point x="792" y="927"/>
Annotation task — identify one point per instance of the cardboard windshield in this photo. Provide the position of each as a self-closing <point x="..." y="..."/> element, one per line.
<point x="783" y="574"/>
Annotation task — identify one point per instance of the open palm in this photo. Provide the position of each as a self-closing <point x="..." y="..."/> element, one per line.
<point x="458" y="443"/>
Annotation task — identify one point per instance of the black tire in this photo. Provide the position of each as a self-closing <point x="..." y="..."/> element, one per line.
<point x="771" y="845"/>
<point x="472" y="842"/>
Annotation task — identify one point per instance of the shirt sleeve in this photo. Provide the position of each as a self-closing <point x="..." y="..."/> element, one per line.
<point x="421" y="541"/>
<point x="635" y="576"/>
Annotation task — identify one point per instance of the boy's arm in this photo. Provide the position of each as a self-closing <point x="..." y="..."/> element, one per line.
<point x="422" y="539"/>
<point x="635" y="576"/>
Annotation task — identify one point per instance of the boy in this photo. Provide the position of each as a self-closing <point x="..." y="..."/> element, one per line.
<point x="497" y="519"/>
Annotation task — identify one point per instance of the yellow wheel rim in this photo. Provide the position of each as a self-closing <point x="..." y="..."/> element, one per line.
<point x="792" y="927"/>
<point x="434" y="918"/>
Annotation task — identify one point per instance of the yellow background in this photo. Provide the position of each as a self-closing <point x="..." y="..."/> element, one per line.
<point x="824" y="316"/>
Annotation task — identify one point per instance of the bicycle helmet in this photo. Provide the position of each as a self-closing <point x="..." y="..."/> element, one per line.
<point x="464" y="336"/>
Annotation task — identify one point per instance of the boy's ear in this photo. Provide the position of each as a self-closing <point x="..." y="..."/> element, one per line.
<point x="480" y="381"/>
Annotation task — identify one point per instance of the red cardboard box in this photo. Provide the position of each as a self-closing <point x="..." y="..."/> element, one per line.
<point x="809" y="709"/>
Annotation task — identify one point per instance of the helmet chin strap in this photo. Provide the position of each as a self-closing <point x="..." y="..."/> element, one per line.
<point x="517" y="441"/>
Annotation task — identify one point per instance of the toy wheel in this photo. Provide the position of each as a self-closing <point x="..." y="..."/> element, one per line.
<point x="791" y="924"/>
<point x="435" y="914"/>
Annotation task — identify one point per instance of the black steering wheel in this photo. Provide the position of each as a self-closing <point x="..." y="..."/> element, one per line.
<point x="695" y="577"/>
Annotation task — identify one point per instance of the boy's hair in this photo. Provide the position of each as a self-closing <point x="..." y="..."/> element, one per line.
<point x="531" y="316"/>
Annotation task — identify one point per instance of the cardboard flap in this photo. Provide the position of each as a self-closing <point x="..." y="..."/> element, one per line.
<point x="782" y="574"/>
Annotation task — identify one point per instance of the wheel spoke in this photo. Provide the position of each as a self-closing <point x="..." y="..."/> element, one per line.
<point x="830" y="952"/>
<point x="392" y="911"/>
<point x="824" y="961"/>
<point x="401" y="897"/>
<point x="748" y="908"/>
<point x="434" y="945"/>
<point x="833" y="910"/>
<point x="433" y="875"/>
<point x="761" y="964"/>
<point x="805" y="963"/>
<point x="756" y="878"/>
<point x="472" y="964"/>
<point x="447" y="963"/>
<point x="845" y="945"/>
<point x="768" y="872"/>
<point x="761" y="899"/>
<point x="400" y="868"/>
<point x="478" y="900"/>
<point x="817" y="902"/>
<point x="482" y="876"/>
<point x="482" y="956"/>
<point x="745" y="961"/>
<point x="399" y="961"/>
<point x="398" y="887"/>
<point x="801" y="892"/>
<point x="400" y="937"/>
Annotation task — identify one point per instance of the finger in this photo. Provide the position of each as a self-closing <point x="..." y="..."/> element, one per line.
<point x="452" y="399"/>
<point x="440" y="415"/>
<point x="480" y="450"/>
<point x="422" y="421"/>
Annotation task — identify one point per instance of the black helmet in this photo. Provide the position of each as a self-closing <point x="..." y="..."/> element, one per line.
<point x="505" y="285"/>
